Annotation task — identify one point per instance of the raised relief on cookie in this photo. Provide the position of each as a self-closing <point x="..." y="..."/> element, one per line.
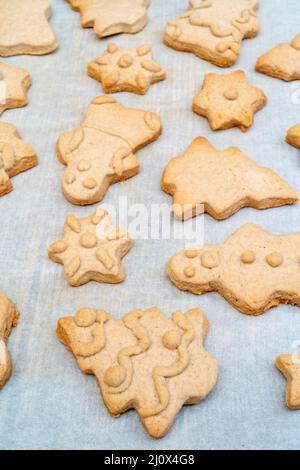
<point x="253" y="270"/>
<point x="193" y="178"/>
<point x="109" y="17"/>
<point x="24" y="28"/>
<point x="229" y="101"/>
<point x="146" y="361"/>
<point x="293" y="136"/>
<point x="14" y="84"/>
<point x="289" y="366"/>
<point x="131" y="70"/>
<point x="283" y="61"/>
<point x="15" y="156"/>
<point x="214" y="29"/>
<point x="102" y="150"/>
<point x="91" y="249"/>
<point x="8" y="319"/>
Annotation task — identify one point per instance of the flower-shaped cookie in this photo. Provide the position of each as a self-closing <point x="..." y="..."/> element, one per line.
<point x="8" y="318"/>
<point x="229" y="101"/>
<point x="132" y="70"/>
<point x="91" y="250"/>
<point x="14" y="83"/>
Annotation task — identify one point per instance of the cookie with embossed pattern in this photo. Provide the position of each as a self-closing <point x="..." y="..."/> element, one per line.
<point x="145" y="361"/>
<point x="131" y="70"/>
<point x="214" y="29"/>
<point x="101" y="151"/>
<point x="14" y="84"/>
<point x="8" y="319"/>
<point x="253" y="269"/>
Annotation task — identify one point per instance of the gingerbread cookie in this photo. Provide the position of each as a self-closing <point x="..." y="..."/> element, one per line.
<point x="109" y="17"/>
<point x="229" y="101"/>
<point x="24" y="27"/>
<point x="214" y="29"/>
<point x="101" y="151"/>
<point x="289" y="366"/>
<point x="132" y="70"/>
<point x="145" y="361"/>
<point x="282" y="62"/>
<point x="192" y="181"/>
<point x="8" y="319"/>
<point x="15" y="156"/>
<point x="253" y="270"/>
<point x="293" y="136"/>
<point x="91" y="250"/>
<point x="14" y="83"/>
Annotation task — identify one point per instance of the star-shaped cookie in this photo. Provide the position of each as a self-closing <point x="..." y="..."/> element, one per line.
<point x="253" y="269"/>
<point x="146" y="361"/>
<point x="8" y="319"/>
<point x="193" y="179"/>
<point x="132" y="70"/>
<point x="14" y="83"/>
<point x="289" y="366"/>
<point x="214" y="29"/>
<point x="91" y="250"/>
<point x="109" y="17"/>
<point x="15" y="156"/>
<point x="282" y="62"/>
<point x="229" y="101"/>
<point x="293" y="136"/>
<point x="24" y="27"/>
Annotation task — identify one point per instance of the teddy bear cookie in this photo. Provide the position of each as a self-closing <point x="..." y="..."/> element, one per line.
<point x="214" y="29"/>
<point x="131" y="70"/>
<point x="283" y="61"/>
<point x="91" y="250"/>
<point x="146" y="361"/>
<point x="192" y="181"/>
<point x="24" y="28"/>
<point x="289" y="366"/>
<point x="100" y="151"/>
<point x="8" y="319"/>
<point x="14" y="84"/>
<point x="293" y="136"/>
<point x="15" y="156"/>
<point x="229" y="101"/>
<point x="109" y="17"/>
<point x="253" y="270"/>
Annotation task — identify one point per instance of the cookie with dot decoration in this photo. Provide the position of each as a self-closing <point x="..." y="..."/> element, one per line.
<point x="146" y="361"/>
<point x="253" y="269"/>
<point x="8" y="319"/>
<point x="229" y="101"/>
<point x="131" y="70"/>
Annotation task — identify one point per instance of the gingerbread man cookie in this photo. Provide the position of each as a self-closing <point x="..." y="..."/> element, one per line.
<point x="101" y="151"/>
<point x="15" y="156"/>
<point x="193" y="179"/>
<point x="109" y="17"/>
<point x="289" y="366"/>
<point x="145" y="361"/>
<point x="24" y="27"/>
<point x="214" y="29"/>
<point x="91" y="250"/>
<point x="293" y="136"/>
<point x="282" y="62"/>
<point x="8" y="319"/>
<point x="229" y="101"/>
<point x="14" y="83"/>
<point x="253" y="270"/>
<point x="132" y="70"/>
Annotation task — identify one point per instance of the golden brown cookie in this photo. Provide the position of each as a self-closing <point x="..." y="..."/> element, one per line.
<point x="91" y="250"/>
<point x="8" y="319"/>
<point x="15" y="156"/>
<point x="192" y="181"/>
<point x="282" y="62"/>
<point x="131" y="70"/>
<point x="14" y="83"/>
<point x="102" y="150"/>
<point x="145" y="361"/>
<point x="289" y="366"/>
<point x="293" y="136"/>
<point x="229" y="101"/>
<point x="253" y="269"/>
<point x="214" y="29"/>
<point x="109" y="17"/>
